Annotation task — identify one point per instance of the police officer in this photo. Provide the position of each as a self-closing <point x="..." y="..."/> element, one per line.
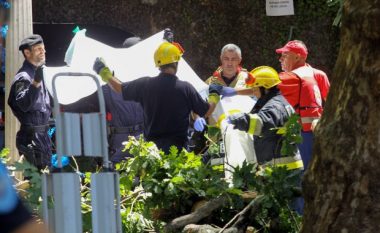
<point x="166" y="100"/>
<point x="31" y="104"/>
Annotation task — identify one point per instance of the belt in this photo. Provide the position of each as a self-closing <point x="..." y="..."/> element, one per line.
<point x="35" y="128"/>
<point x="125" y="130"/>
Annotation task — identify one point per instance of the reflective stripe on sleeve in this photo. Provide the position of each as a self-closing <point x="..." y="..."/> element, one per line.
<point x="255" y="124"/>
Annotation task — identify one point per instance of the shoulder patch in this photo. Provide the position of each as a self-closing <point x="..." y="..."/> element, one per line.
<point x="19" y="87"/>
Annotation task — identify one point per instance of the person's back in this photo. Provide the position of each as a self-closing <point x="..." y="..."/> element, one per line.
<point x="124" y="119"/>
<point x="167" y="102"/>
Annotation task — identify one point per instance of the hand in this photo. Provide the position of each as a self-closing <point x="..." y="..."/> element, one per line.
<point x="168" y="35"/>
<point x="64" y="159"/>
<point x="39" y="74"/>
<point x="199" y="124"/>
<point x="100" y="68"/>
<point x="228" y="91"/>
<point x="99" y="64"/>
<point x="240" y="121"/>
<point x="215" y="88"/>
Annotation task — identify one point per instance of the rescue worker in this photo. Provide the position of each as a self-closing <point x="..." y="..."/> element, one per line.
<point x="228" y="74"/>
<point x="14" y="216"/>
<point x="305" y="88"/>
<point x="124" y="118"/>
<point x="271" y="111"/>
<point x="31" y="103"/>
<point x="166" y="100"/>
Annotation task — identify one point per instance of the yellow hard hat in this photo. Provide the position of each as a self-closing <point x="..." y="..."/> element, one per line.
<point x="263" y="76"/>
<point x="167" y="53"/>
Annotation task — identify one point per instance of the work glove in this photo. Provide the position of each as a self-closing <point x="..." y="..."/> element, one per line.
<point x="228" y="92"/>
<point x="215" y="88"/>
<point x="199" y="124"/>
<point x="168" y="35"/>
<point x="240" y="121"/>
<point x="39" y="73"/>
<point x="100" y="68"/>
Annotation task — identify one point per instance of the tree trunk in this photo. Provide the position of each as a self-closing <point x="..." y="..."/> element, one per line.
<point x="342" y="185"/>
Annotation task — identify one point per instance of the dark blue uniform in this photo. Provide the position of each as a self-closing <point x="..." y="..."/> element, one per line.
<point x="167" y="103"/>
<point x="125" y="118"/>
<point x="274" y="111"/>
<point x="32" y="106"/>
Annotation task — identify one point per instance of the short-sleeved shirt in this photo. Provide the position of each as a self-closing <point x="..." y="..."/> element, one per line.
<point x="167" y="103"/>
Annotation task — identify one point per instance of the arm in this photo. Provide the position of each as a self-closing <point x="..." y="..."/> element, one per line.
<point x="250" y="123"/>
<point x="107" y="75"/>
<point x="244" y="91"/>
<point x="323" y="83"/>
<point x="26" y="94"/>
<point x="87" y="104"/>
<point x="115" y="84"/>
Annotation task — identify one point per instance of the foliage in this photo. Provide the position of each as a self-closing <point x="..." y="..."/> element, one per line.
<point x="291" y="134"/>
<point x="156" y="187"/>
<point x="277" y="184"/>
<point x="337" y="4"/>
<point x="33" y="195"/>
<point x="171" y="182"/>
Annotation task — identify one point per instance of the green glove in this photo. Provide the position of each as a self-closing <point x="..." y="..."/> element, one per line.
<point x="213" y="98"/>
<point x="104" y="71"/>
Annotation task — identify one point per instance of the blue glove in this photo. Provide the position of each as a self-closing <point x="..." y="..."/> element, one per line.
<point x="215" y="88"/>
<point x="199" y="124"/>
<point x="54" y="161"/>
<point x="228" y="91"/>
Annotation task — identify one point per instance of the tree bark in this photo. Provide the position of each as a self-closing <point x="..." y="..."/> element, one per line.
<point x="197" y="215"/>
<point x="342" y="185"/>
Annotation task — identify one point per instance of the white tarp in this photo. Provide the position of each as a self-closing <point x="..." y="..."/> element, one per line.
<point x="238" y="144"/>
<point x="127" y="63"/>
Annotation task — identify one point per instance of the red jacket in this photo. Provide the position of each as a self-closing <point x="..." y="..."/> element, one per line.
<point x="305" y="88"/>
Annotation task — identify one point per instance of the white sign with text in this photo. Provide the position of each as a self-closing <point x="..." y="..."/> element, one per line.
<point x="279" y="7"/>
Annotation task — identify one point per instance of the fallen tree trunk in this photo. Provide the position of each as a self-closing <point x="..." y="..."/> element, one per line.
<point x="197" y="215"/>
<point x="241" y="224"/>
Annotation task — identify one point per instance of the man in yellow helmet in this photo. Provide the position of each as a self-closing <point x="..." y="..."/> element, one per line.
<point x="271" y="111"/>
<point x="166" y="100"/>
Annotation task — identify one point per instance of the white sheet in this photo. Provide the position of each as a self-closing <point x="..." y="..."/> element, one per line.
<point x="127" y="63"/>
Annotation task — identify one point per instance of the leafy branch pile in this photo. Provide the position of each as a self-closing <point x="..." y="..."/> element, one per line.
<point x="173" y="192"/>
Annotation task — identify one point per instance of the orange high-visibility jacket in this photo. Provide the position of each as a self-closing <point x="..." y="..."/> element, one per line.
<point x="305" y="88"/>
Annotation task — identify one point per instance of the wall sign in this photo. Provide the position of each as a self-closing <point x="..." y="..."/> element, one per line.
<point x="279" y="7"/>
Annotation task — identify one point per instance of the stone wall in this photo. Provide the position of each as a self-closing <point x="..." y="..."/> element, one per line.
<point x="204" y="26"/>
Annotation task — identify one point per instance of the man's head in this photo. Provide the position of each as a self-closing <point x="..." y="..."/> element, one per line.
<point x="293" y="55"/>
<point x="131" y="41"/>
<point x="167" y="55"/>
<point x="230" y="57"/>
<point x="33" y="49"/>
